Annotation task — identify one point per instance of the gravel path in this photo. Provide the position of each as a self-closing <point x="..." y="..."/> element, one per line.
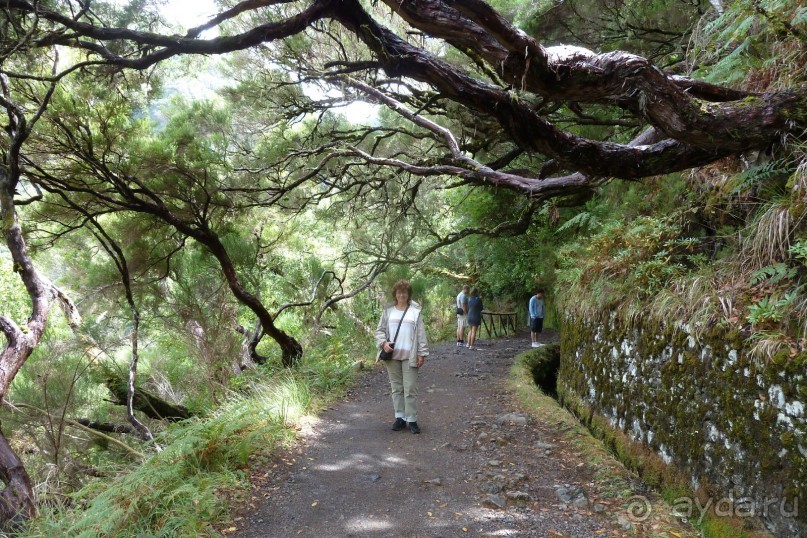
<point x="481" y="467"/>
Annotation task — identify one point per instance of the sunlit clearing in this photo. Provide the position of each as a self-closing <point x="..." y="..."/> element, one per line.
<point x="360" y="112"/>
<point x="359" y="463"/>
<point x="363" y="525"/>
<point x="186" y="13"/>
<point x="357" y="112"/>
<point x="285" y="400"/>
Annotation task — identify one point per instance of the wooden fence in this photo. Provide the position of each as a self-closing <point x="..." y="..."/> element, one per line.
<point x="506" y="320"/>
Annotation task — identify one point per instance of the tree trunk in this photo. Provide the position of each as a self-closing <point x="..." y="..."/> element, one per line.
<point x="291" y="350"/>
<point x="17" y="499"/>
<point x="18" y="496"/>
<point x="250" y="347"/>
<point x="108" y="427"/>
<point x="149" y="404"/>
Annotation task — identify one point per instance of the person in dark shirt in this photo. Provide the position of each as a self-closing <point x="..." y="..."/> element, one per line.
<point x="474" y="317"/>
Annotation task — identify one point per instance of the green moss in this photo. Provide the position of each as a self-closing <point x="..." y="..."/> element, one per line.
<point x="714" y="527"/>
<point x="544" y="363"/>
<point x="682" y="403"/>
<point x="614" y="479"/>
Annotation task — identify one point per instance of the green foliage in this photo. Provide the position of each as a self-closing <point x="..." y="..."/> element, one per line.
<point x="769" y="176"/>
<point x="740" y="40"/>
<point x="15" y="304"/>
<point x="582" y="222"/>
<point x="773" y="274"/>
<point x="770" y="310"/>
<point x="799" y="251"/>
<point x="639" y="257"/>
<point x="179" y="490"/>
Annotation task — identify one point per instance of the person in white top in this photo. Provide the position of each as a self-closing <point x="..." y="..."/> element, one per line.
<point x="402" y="333"/>
<point x="462" y="315"/>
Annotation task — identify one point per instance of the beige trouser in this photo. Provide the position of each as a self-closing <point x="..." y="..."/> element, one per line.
<point x="403" y="380"/>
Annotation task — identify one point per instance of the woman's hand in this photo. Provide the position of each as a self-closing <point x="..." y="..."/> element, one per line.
<point x="421" y="361"/>
<point x="386" y="347"/>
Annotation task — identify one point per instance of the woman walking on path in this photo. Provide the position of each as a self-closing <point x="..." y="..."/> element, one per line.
<point x="402" y="333"/>
<point x="474" y="317"/>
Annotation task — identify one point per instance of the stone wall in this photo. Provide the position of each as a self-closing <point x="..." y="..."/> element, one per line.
<point x="735" y="426"/>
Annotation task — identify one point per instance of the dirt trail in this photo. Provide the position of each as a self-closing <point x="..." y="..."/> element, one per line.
<point x="480" y="468"/>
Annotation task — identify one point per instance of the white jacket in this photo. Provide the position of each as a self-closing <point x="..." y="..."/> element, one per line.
<point x="420" y="346"/>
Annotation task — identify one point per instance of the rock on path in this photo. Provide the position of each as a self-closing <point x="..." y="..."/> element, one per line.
<point x="481" y="467"/>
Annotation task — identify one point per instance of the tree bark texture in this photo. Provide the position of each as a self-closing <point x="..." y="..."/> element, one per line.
<point x="17" y="499"/>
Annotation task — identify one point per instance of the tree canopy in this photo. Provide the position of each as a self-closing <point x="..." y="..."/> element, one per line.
<point x="510" y="79"/>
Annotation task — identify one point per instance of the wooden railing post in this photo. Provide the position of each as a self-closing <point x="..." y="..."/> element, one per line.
<point x="507" y="320"/>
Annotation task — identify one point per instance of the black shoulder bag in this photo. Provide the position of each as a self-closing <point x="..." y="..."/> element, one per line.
<point x="387" y="355"/>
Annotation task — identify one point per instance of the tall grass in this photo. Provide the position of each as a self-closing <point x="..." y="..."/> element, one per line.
<point x="177" y="492"/>
<point x="769" y="240"/>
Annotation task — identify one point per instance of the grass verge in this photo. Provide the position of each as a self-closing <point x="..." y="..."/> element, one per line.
<point x="184" y="489"/>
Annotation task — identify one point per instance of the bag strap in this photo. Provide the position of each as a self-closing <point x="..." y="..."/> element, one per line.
<point x="400" y="323"/>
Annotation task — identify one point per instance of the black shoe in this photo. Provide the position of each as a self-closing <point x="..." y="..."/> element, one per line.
<point x="398" y="425"/>
<point x="414" y="428"/>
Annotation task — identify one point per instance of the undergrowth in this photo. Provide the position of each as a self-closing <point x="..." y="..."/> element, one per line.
<point x="182" y="490"/>
<point x="716" y="257"/>
<point x="725" y="245"/>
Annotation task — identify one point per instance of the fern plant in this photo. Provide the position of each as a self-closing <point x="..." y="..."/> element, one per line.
<point x="582" y="222"/>
<point x="764" y="176"/>
<point x="773" y="274"/>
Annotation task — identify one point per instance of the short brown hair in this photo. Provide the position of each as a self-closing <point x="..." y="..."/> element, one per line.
<point x="402" y="285"/>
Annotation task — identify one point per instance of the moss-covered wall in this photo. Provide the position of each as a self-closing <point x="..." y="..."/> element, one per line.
<point x="704" y="405"/>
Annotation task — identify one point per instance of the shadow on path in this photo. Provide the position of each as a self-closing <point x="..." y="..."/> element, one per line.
<point x="480" y="467"/>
